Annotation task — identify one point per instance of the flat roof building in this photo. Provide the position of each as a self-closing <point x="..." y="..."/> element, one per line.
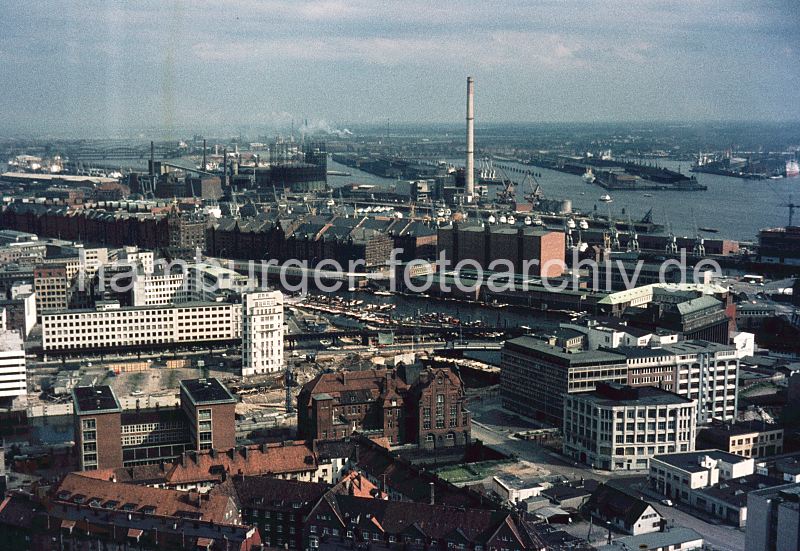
<point x="619" y="427"/>
<point x="109" y="437"/>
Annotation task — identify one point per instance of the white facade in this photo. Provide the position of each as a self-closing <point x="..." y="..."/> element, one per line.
<point x="678" y="475"/>
<point x="623" y="434"/>
<point x="205" y="281"/>
<point x="12" y="365"/>
<point x="154" y="325"/>
<point x="745" y="344"/>
<point x="136" y="257"/>
<point x="702" y="371"/>
<point x="159" y="289"/>
<point x="91" y="258"/>
<point x="262" y="332"/>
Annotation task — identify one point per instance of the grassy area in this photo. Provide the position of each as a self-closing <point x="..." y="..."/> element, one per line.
<point x="469" y="472"/>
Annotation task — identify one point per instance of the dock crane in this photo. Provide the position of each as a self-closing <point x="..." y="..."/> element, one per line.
<point x="699" y="247"/>
<point x="791" y="206"/>
<point x="633" y="237"/>
<point x="613" y="233"/>
<point x="672" y="242"/>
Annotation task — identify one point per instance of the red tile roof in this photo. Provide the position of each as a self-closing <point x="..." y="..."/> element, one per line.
<point x="83" y="490"/>
<point x="210" y="465"/>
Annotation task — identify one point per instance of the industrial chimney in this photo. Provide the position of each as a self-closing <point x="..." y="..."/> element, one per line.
<point x="469" y="171"/>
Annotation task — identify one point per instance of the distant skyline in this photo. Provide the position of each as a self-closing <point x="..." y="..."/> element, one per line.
<point x="116" y="68"/>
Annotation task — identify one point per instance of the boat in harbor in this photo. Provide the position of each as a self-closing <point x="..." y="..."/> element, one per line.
<point x="708" y="230"/>
<point x="588" y="176"/>
<point x="792" y="169"/>
<point x="606" y="198"/>
<point x="647" y="195"/>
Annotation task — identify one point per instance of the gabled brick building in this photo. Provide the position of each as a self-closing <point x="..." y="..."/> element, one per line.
<point x="343" y="521"/>
<point x="405" y="405"/>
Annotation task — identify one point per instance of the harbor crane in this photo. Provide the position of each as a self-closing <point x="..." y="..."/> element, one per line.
<point x="699" y="248"/>
<point x="672" y="242"/>
<point x="633" y="237"/>
<point x="791" y="206"/>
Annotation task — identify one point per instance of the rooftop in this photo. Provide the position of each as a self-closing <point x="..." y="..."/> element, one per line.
<point x="572" y="358"/>
<point x="690" y="461"/>
<point x="95" y="399"/>
<point x="734" y="492"/>
<point x="612" y="394"/>
<point x="207" y="391"/>
<point x="654" y="540"/>
<point x="10" y="341"/>
<point x="726" y="430"/>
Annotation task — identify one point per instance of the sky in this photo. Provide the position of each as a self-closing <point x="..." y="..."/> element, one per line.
<point x="106" y="68"/>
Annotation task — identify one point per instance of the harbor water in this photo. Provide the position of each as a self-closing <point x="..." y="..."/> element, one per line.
<point x="737" y="208"/>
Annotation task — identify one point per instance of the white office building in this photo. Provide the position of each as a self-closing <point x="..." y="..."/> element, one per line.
<point x="617" y="427"/>
<point x="161" y="288"/>
<point x="12" y="366"/>
<point x="111" y="326"/>
<point x="262" y="332"/>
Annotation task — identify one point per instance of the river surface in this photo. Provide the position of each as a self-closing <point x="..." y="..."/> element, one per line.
<point x="737" y="208"/>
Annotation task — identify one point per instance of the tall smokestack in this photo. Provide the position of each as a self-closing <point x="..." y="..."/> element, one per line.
<point x="152" y="158"/>
<point x="469" y="171"/>
<point x="204" y="156"/>
<point x="224" y="167"/>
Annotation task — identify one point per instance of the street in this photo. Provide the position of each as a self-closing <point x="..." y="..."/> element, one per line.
<point x="722" y="537"/>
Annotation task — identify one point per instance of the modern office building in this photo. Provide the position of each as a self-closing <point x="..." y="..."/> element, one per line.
<point x="262" y="332"/>
<point x="618" y="427"/>
<point x="703" y="371"/>
<point x="108" y="437"/>
<point x="159" y="288"/>
<point x="536" y="376"/>
<point x="112" y="327"/>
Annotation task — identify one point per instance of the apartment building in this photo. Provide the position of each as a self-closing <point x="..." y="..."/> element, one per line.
<point x="109" y="437"/>
<point x="617" y="427"/>
<point x="262" y="332"/>
<point x="13" y="373"/>
<point x="536" y="376"/>
<point x="111" y="326"/>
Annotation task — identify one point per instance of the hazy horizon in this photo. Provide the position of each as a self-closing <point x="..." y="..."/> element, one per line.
<point x="115" y="69"/>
